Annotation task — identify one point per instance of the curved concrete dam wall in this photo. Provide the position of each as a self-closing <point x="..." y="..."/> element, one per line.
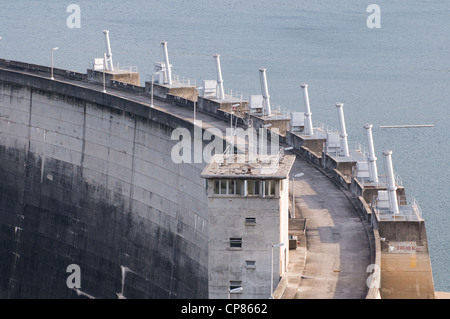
<point x="86" y="178"/>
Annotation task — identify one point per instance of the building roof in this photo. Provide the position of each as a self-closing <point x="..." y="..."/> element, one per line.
<point x="241" y="166"/>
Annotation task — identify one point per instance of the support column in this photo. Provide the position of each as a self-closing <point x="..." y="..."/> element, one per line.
<point x="219" y="77"/>
<point x="391" y="188"/>
<point x="265" y="91"/>
<point x="344" y="141"/>
<point x="168" y="70"/>
<point x="109" y="62"/>
<point x="373" y="172"/>
<point x="308" y="119"/>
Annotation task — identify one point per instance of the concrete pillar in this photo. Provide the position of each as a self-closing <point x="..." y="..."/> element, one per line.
<point x="344" y="141"/>
<point x="219" y="77"/>
<point x="308" y="119"/>
<point x="391" y="188"/>
<point x="109" y="62"/>
<point x="373" y="172"/>
<point x="265" y="91"/>
<point x="168" y="70"/>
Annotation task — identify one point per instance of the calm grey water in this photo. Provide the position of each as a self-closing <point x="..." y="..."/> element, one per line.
<point x="397" y="74"/>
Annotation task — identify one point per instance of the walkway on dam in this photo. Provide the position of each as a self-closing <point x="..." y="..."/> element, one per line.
<point x="337" y="245"/>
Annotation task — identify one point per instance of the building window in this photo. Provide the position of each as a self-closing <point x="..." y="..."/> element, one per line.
<point x="235" y="242"/>
<point x="238" y="187"/>
<point x="250" y="264"/>
<point x="223" y="186"/>
<point x="216" y="186"/>
<point x="250" y="221"/>
<point x="235" y="285"/>
<point x="253" y="187"/>
<point x="227" y="187"/>
<point x="269" y="188"/>
<point x="235" y="187"/>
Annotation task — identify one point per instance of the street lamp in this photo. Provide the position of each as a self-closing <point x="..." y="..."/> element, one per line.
<point x="264" y="135"/>
<point x="195" y="103"/>
<point x="104" y="70"/>
<point x="53" y="49"/>
<point x="151" y="98"/>
<point x="233" y="106"/>
<point x="271" y="273"/>
<point x="293" y="192"/>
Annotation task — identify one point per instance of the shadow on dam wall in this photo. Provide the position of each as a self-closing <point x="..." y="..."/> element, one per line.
<point x="87" y="179"/>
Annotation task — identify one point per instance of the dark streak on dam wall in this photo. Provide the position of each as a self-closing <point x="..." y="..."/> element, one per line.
<point x="86" y="178"/>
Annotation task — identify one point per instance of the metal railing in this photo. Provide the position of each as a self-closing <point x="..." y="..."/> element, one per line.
<point x="416" y="206"/>
<point x="402" y="201"/>
<point x="126" y="68"/>
<point x="362" y="149"/>
<point x="183" y="80"/>
<point x="325" y="127"/>
<point x="234" y="94"/>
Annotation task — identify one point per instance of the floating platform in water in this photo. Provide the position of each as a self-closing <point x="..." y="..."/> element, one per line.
<point x="406" y="126"/>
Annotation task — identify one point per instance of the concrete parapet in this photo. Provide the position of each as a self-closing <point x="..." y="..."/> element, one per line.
<point x="369" y="190"/>
<point x="405" y="261"/>
<point x="314" y="144"/>
<point x="277" y="122"/>
<point x="339" y="177"/>
<point x="374" y="280"/>
<point x="163" y="90"/>
<point x="131" y="78"/>
<point x="29" y="67"/>
<point x="214" y="106"/>
<point x="311" y="156"/>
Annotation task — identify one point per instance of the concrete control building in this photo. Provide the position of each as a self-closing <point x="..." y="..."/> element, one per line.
<point x="248" y="224"/>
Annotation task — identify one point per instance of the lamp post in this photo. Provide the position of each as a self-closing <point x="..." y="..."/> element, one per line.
<point x="104" y="70"/>
<point x="151" y="98"/>
<point x="271" y="273"/>
<point x="293" y="192"/>
<point x="264" y="139"/>
<point x="53" y="49"/>
<point x="233" y="106"/>
<point x="195" y="104"/>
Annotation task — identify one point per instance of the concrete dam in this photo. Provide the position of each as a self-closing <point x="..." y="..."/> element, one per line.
<point x="87" y="178"/>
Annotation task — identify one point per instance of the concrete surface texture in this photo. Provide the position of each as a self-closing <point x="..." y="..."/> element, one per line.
<point x="109" y="196"/>
<point x="337" y="244"/>
<point x="88" y="183"/>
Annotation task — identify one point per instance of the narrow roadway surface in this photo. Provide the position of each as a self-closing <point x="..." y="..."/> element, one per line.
<point x="338" y="250"/>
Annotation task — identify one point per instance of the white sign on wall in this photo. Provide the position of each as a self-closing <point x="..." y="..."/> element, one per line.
<point x="402" y="247"/>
